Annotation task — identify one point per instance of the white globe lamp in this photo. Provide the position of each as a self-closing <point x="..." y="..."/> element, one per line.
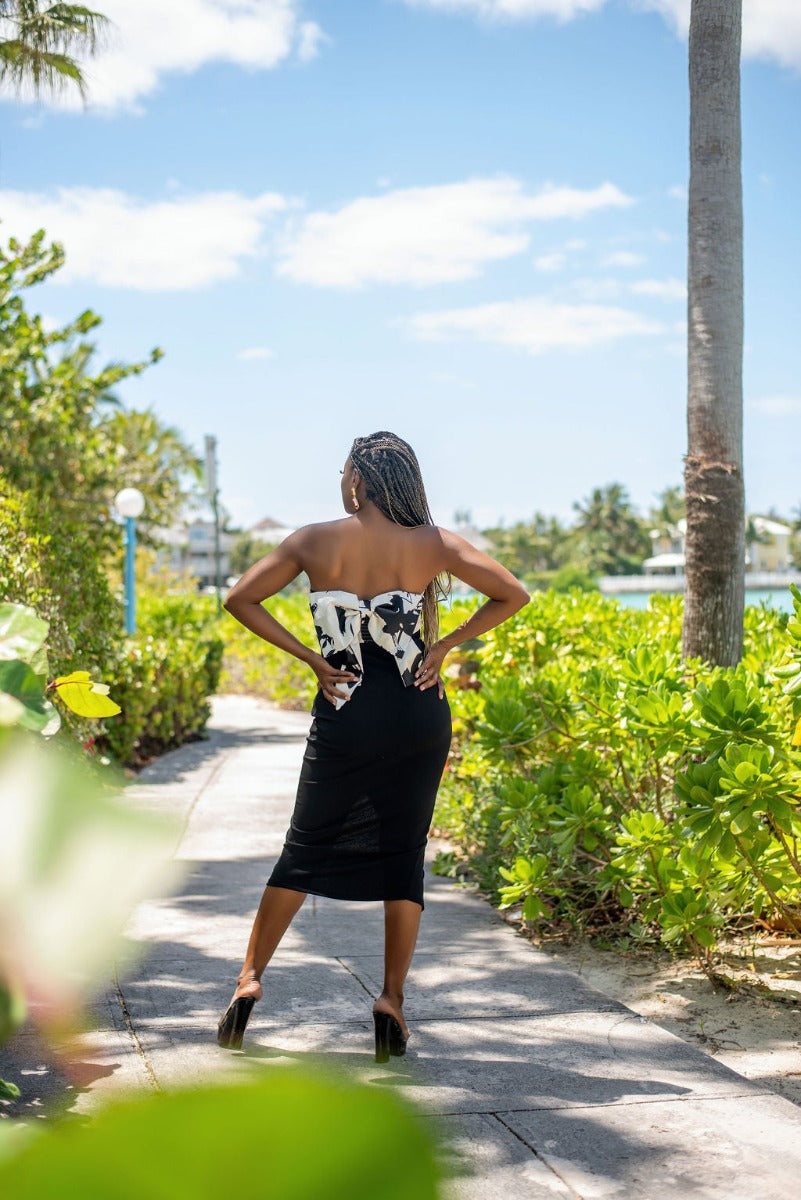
<point x="130" y="503"/>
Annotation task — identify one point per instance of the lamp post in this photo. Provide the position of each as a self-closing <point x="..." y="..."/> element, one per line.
<point x="213" y="494"/>
<point x="130" y="503"/>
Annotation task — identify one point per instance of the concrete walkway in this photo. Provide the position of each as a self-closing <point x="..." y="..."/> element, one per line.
<point x="541" y="1086"/>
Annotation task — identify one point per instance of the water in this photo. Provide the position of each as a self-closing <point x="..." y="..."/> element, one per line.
<point x="779" y="598"/>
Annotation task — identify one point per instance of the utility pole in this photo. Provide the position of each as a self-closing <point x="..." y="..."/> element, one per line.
<point x="213" y="494"/>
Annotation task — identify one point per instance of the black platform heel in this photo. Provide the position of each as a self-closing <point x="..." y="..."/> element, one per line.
<point x="232" y="1025"/>
<point x="389" y="1037"/>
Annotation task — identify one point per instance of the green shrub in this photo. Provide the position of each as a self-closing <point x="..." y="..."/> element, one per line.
<point x="562" y="579"/>
<point x="162" y="685"/>
<point x="175" y="614"/>
<point x="253" y="666"/>
<point x="52" y="566"/>
<point x="599" y="781"/>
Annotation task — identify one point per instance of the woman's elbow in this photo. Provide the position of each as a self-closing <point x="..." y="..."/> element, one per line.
<point x="520" y="598"/>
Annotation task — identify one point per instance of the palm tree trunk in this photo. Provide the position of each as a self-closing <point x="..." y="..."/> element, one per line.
<point x="713" y="473"/>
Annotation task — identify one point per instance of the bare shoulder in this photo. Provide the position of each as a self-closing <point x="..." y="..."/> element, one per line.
<point x="309" y="536"/>
<point x="453" y="545"/>
<point x="449" y="538"/>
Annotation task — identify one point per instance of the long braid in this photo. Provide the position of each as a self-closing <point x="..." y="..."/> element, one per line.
<point x="394" y="483"/>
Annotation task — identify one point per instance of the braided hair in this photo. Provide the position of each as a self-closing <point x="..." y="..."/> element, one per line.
<point x="393" y="481"/>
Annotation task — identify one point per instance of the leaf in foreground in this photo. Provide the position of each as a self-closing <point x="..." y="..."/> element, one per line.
<point x="291" y="1136"/>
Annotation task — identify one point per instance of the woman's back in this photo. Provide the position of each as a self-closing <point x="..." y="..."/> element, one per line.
<point x="370" y="558"/>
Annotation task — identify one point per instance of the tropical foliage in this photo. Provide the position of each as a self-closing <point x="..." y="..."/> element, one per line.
<point x="610" y="538"/>
<point x="528" y="547"/>
<point x="603" y="785"/>
<point x="246" y="550"/>
<point x="67" y="440"/>
<point x="253" y="666"/>
<point x="68" y="446"/>
<point x="162" y="683"/>
<point x="50" y="562"/>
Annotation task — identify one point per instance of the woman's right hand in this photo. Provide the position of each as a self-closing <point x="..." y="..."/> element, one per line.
<point x="328" y="677"/>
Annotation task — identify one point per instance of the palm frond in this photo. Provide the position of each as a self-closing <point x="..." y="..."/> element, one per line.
<point x="41" y="52"/>
<point x="21" y="64"/>
<point x="62" y="26"/>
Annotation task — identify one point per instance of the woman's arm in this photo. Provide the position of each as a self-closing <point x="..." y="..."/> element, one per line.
<point x="505" y="596"/>
<point x="264" y="579"/>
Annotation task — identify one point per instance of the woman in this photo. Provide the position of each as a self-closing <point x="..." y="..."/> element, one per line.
<point x="381" y="724"/>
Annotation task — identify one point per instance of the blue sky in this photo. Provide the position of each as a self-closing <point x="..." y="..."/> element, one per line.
<point x="463" y="220"/>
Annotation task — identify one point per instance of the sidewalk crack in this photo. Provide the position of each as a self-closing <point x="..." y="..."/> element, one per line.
<point x="134" y="1036"/>
<point x="533" y="1150"/>
<point x="361" y="984"/>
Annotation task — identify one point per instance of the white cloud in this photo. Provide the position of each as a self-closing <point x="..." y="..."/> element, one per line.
<point x="675" y="12"/>
<point x="426" y="235"/>
<point x="514" y="10"/>
<point x="555" y="261"/>
<point x="590" y="289"/>
<point x="771" y="28"/>
<point x="776" y="406"/>
<point x="118" y="240"/>
<point x="535" y="325"/>
<point x="255" y="352"/>
<point x="310" y="39"/>
<point x="678" y="191"/>
<point x="622" y="258"/>
<point x="663" y="289"/>
<point x="150" y="38"/>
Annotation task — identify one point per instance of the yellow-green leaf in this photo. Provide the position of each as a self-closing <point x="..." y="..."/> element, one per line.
<point x="797" y="734"/>
<point x="84" y="697"/>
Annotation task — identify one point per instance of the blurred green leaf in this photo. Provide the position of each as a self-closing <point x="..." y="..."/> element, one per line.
<point x="12" y="1011"/>
<point x="74" y="862"/>
<point x="20" y="681"/>
<point x="22" y="636"/>
<point x="291" y="1136"/>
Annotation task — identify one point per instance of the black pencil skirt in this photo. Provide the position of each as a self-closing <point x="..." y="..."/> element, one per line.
<point x="367" y="788"/>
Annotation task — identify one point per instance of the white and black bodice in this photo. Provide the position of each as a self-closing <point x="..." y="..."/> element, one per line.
<point x="392" y="620"/>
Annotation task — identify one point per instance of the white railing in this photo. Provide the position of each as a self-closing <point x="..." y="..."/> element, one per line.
<point x="754" y="580"/>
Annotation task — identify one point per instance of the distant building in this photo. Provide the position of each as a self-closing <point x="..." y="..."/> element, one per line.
<point x="667" y="550"/>
<point x="268" y="530"/>
<point x="188" y="547"/>
<point x="770" y="553"/>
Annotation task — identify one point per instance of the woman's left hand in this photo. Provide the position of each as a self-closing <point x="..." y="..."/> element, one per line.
<point x="428" y="673"/>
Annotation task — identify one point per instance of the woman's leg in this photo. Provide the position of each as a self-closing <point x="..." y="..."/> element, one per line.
<point x="401" y="923"/>
<point x="277" y="908"/>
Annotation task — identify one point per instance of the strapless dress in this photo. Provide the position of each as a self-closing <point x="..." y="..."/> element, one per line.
<point x="372" y="763"/>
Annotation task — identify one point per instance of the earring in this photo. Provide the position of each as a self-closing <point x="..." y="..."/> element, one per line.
<point x="356" y="504"/>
